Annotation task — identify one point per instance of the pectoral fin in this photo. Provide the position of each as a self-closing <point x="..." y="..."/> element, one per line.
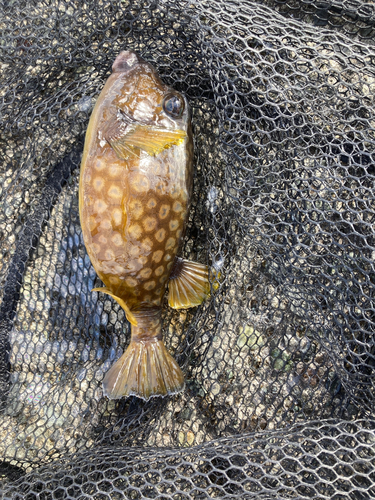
<point x="124" y="150"/>
<point x="189" y="284"/>
<point x="153" y="140"/>
<point x="128" y="140"/>
<point x="115" y="132"/>
<point x="129" y="315"/>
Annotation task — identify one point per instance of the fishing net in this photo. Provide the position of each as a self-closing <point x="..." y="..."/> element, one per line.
<point x="279" y="361"/>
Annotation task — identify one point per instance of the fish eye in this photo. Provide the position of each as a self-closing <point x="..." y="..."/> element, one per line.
<point x="173" y="105"/>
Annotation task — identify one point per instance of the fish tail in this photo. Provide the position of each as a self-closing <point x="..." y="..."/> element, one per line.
<point x="146" y="369"/>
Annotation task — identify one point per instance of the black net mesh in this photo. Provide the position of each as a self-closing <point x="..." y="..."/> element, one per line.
<point x="279" y="362"/>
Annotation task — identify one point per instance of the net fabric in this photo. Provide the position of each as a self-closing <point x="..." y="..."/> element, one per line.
<point x="314" y="460"/>
<point x="352" y="17"/>
<point x="283" y="208"/>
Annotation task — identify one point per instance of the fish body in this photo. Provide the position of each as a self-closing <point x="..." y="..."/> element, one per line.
<point x="134" y="196"/>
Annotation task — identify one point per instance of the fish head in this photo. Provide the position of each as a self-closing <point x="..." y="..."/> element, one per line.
<point x="145" y="98"/>
<point x="148" y="114"/>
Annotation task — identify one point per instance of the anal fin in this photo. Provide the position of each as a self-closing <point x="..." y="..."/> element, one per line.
<point x="129" y="315"/>
<point x="189" y="284"/>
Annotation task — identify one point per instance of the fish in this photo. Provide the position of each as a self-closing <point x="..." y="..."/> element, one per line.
<point x="135" y="191"/>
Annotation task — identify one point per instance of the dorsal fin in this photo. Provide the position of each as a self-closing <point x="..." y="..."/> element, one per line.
<point x="188" y="284"/>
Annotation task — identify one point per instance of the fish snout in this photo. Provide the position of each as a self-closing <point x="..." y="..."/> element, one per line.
<point x="125" y="61"/>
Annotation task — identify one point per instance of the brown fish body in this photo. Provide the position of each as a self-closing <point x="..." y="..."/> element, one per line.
<point x="135" y="189"/>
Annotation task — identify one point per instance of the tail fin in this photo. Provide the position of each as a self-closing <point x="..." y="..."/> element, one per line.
<point x="146" y="369"/>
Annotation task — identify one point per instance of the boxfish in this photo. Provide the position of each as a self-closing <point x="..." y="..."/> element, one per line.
<point x="134" y="195"/>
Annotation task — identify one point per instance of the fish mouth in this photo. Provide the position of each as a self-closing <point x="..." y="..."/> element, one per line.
<point x="125" y="61"/>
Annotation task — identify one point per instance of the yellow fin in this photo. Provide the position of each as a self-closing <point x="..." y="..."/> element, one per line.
<point x="189" y="284"/>
<point x="146" y="369"/>
<point x="115" y="131"/>
<point x="124" y="150"/>
<point x="129" y="315"/>
<point x="152" y="140"/>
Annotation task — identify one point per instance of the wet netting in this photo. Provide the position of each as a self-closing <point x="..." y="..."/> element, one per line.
<point x="280" y="360"/>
